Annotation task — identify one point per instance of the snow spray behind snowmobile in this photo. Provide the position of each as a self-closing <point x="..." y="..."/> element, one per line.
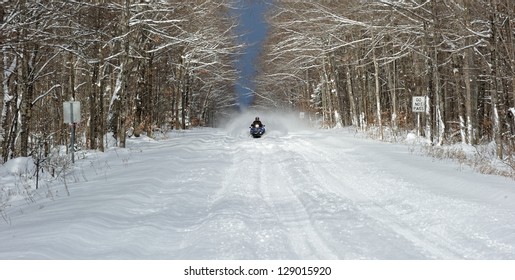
<point x="257" y="131"/>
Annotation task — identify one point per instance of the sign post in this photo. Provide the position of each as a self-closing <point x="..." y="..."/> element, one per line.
<point x="418" y="106"/>
<point x="71" y="113"/>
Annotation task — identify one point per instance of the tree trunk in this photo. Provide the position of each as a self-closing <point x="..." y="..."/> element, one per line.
<point x="511" y="46"/>
<point x="118" y="109"/>
<point x="333" y="91"/>
<point x="461" y="113"/>
<point x="175" y="101"/>
<point x="146" y="99"/>
<point x="494" y="81"/>
<point x="392" y="81"/>
<point x="363" y="100"/>
<point x="439" y="99"/>
<point x="100" y="88"/>
<point x="25" y="93"/>
<point x="352" y="102"/>
<point x="428" y="81"/>
<point x="93" y="98"/>
<point x="101" y="94"/>
<point x="9" y="67"/>
<point x="471" y="139"/>
<point x="437" y="91"/>
<point x="377" y="95"/>
<point x="24" y="96"/>
<point x="138" y="100"/>
<point x="185" y="99"/>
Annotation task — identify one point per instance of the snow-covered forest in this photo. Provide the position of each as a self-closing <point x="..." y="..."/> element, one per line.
<point x="164" y="151"/>
<point x="143" y="65"/>
<point x="361" y="62"/>
<point x="139" y="66"/>
<point x="134" y="66"/>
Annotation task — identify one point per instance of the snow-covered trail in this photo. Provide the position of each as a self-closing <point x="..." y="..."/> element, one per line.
<point x="218" y="194"/>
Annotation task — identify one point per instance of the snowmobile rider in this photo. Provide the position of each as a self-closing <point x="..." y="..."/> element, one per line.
<point x="256" y="121"/>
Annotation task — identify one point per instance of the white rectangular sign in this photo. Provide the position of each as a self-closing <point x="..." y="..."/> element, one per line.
<point x="419" y="104"/>
<point x="71" y="112"/>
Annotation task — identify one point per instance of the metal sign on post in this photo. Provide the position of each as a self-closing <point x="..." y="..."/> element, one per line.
<point x="71" y="110"/>
<point x="71" y="113"/>
<point x="419" y="104"/>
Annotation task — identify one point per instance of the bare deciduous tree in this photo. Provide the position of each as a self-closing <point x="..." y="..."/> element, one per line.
<point x="379" y="54"/>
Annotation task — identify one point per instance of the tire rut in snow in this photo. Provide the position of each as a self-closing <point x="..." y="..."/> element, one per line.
<point x="259" y="211"/>
<point x="239" y="224"/>
<point x="388" y="235"/>
<point x="285" y="191"/>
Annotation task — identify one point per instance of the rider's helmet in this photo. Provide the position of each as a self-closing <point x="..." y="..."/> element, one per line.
<point x="256" y="119"/>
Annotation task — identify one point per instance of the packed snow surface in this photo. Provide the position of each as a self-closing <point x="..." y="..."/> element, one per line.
<point x="296" y="193"/>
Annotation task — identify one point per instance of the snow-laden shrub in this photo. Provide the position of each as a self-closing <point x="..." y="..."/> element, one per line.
<point x="21" y="179"/>
<point x="16" y="181"/>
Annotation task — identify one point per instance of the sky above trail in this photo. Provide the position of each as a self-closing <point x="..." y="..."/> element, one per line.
<point x="253" y="32"/>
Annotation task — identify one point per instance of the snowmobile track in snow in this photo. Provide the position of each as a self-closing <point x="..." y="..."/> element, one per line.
<point x="216" y="194"/>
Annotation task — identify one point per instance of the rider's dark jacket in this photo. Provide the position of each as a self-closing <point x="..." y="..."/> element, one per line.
<point x="258" y="123"/>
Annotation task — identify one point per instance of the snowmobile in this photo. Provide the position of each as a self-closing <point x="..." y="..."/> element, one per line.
<point x="257" y="131"/>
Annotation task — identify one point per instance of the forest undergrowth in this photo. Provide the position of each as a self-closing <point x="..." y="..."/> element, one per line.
<point x="481" y="157"/>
